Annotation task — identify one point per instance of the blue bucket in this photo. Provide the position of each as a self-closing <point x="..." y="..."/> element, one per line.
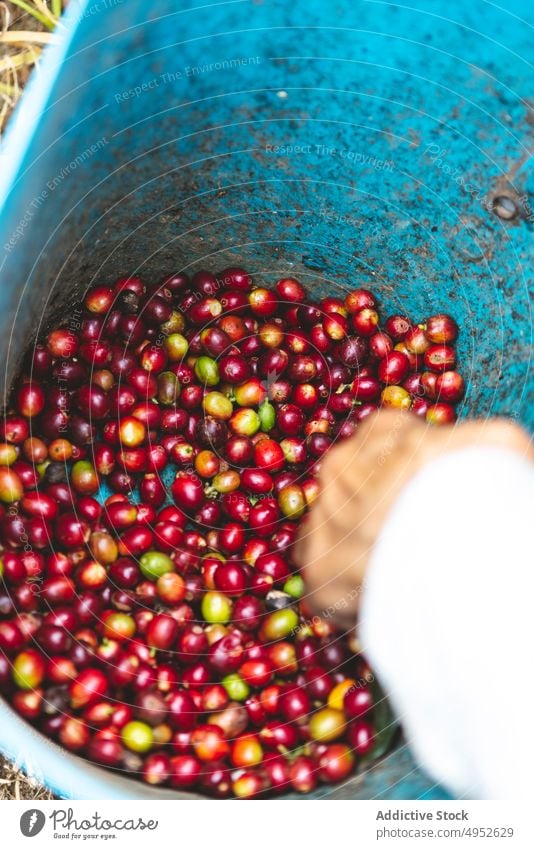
<point x="345" y="143"/>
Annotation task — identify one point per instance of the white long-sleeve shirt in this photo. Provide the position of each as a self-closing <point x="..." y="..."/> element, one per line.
<point x="447" y="620"/>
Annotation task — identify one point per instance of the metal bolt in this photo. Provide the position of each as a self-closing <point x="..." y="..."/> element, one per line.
<point x="504" y="207"/>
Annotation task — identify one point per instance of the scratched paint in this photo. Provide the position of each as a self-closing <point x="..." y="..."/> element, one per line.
<point x="348" y="143"/>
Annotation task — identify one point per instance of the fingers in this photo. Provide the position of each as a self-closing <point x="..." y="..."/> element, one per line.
<point x="504" y="433"/>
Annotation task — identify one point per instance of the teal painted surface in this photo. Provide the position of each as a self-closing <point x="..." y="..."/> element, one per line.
<point x="347" y="143"/>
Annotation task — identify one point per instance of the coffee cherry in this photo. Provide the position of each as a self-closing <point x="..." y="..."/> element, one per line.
<point x="216" y="608"/>
<point x="154" y="564"/>
<point x="398" y="326"/>
<point x="62" y="343"/>
<point x="11" y="487"/>
<point x="237" y="689"/>
<point x="30" y="399"/>
<point x="256" y="673"/>
<point x="440" y="358"/>
<point x="337" y="694"/>
<point x="294" y="586"/>
<point x="162" y="632"/>
<point x="396" y="397"/>
<point x="188" y="492"/>
<point x="218" y="405"/>
<point x="170" y="588"/>
<point x="209" y="744"/>
<point x="336" y="763"/>
<point x="450" y="387"/>
<point x="137" y="736"/>
<point x="394" y="367"/>
<point x="416" y="340"/>
<point x="361" y="738"/>
<point x="279" y="625"/>
<point x="118" y="626"/>
<point x="132" y="432"/>
<point x="28" y="669"/>
<point x="182" y="711"/>
<point x="440" y="414"/>
<point x="248" y="785"/>
<point x="230" y="578"/>
<point x="294" y="703"/>
<point x="90" y="685"/>
<point x="326" y="724"/>
<point x="441" y="329"/>
<point x="185" y="771"/>
<point x="303" y="775"/>
<point x="358" y="299"/>
<point x="246" y="751"/>
<point x="289" y="289"/>
<point x="292" y="501"/>
<point x="207" y="371"/>
<point x="269" y="455"/>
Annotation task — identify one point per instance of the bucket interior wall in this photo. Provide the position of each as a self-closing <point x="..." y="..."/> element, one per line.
<point x="345" y="143"/>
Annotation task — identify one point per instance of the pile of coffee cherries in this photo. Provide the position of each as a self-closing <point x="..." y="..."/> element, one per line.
<point x="160" y="448"/>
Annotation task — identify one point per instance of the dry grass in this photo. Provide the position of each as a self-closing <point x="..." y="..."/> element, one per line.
<point x="15" y="785"/>
<point x="26" y="26"/>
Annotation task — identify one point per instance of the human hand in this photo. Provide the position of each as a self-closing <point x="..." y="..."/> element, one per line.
<point x="360" y="481"/>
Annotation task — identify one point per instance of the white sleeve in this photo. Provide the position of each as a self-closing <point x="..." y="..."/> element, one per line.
<point x="447" y="620"/>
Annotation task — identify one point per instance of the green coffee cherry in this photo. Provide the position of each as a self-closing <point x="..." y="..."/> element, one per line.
<point x="294" y="586"/>
<point x="154" y="564"/>
<point x="216" y="608"/>
<point x="207" y="371"/>
<point x="267" y="416"/>
<point x="137" y="736"/>
<point x="279" y="625"/>
<point x="217" y="405"/>
<point x="245" y="422"/>
<point x="28" y="670"/>
<point x="237" y="689"/>
<point x="176" y="347"/>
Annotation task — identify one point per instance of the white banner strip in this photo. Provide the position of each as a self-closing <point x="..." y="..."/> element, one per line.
<point x="313" y="824"/>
